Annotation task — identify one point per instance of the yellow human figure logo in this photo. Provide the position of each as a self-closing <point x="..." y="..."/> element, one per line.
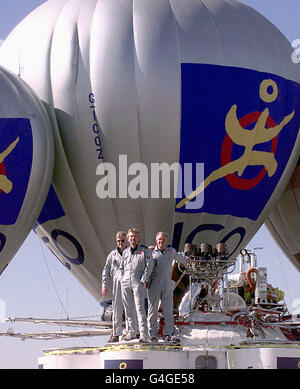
<point x="248" y="139"/>
<point x="5" y="184"/>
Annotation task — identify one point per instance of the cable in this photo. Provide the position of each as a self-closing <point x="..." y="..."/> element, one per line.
<point x="57" y="294"/>
<point x="93" y="313"/>
<point x="61" y="303"/>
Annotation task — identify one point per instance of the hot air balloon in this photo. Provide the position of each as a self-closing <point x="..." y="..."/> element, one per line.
<point x="284" y="221"/>
<point x="141" y="91"/>
<point x="26" y="162"/>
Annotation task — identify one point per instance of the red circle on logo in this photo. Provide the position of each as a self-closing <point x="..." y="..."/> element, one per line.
<point x="2" y="171"/>
<point x="233" y="180"/>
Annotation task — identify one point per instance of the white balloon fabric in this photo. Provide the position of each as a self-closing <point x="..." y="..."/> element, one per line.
<point x="26" y="162"/>
<point x="284" y="221"/>
<point x="127" y="82"/>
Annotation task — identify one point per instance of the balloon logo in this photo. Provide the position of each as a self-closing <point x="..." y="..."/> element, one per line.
<point x="26" y="162"/>
<point x="237" y="134"/>
<point x="247" y="155"/>
<point x="16" y="155"/>
<point x="244" y="122"/>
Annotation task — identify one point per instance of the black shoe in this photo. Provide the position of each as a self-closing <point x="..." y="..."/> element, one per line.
<point x="113" y="339"/>
<point x="154" y="339"/>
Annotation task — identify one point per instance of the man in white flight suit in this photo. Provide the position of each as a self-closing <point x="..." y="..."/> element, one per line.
<point x="110" y="272"/>
<point x="161" y="286"/>
<point x="137" y="265"/>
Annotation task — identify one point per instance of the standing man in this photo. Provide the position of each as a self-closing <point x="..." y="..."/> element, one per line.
<point x="111" y="271"/>
<point x="161" y="286"/>
<point x="136" y="268"/>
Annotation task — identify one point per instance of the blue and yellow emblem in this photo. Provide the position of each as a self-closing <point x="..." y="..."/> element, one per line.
<point x="123" y="364"/>
<point x="242" y="124"/>
<point x="16" y="152"/>
<point x="288" y="363"/>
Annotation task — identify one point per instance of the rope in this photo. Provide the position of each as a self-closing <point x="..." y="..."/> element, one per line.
<point x="93" y="313"/>
<point x="57" y="294"/>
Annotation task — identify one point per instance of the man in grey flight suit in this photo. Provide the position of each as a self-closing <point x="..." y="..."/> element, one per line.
<point x="111" y="271"/>
<point x="137" y="265"/>
<point x="161" y="286"/>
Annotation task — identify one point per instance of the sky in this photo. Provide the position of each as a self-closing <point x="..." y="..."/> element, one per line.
<point x="35" y="284"/>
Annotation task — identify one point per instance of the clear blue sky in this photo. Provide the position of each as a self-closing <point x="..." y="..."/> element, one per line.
<point x="26" y="285"/>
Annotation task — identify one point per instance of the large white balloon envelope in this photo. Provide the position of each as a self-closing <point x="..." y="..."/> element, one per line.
<point x="26" y="162"/>
<point x="157" y="81"/>
<point x="284" y="221"/>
